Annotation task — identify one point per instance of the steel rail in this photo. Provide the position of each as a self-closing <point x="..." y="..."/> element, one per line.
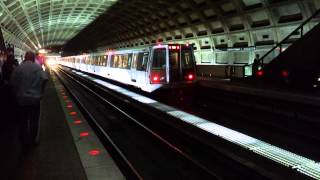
<point x="106" y="135"/>
<point x="161" y="139"/>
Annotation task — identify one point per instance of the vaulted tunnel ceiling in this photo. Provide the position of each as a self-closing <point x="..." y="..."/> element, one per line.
<point x="140" y="22"/>
<point x="33" y="24"/>
<point x="40" y="23"/>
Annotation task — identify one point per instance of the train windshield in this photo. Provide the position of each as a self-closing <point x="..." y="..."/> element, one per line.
<point x="158" y="70"/>
<point x="159" y="59"/>
<point x="187" y="59"/>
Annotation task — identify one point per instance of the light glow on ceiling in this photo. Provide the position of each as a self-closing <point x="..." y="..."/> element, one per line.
<point x="41" y="23"/>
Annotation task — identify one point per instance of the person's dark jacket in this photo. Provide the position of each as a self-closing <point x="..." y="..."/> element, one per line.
<point x="7" y="68"/>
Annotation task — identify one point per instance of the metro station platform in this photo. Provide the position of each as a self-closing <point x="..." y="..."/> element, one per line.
<point x="67" y="149"/>
<point x="262" y="89"/>
<point x="276" y="109"/>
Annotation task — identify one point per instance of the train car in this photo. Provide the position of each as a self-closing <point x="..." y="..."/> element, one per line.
<point x="150" y="68"/>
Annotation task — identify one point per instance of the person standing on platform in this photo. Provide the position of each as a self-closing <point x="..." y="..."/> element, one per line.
<point x="256" y="65"/>
<point x="8" y="66"/>
<point x="2" y="60"/>
<point x="28" y="82"/>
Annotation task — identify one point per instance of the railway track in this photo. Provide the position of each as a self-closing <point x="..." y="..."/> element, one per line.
<point x="142" y="152"/>
<point x="203" y="156"/>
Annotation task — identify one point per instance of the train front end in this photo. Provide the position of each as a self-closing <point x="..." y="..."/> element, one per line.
<point x="173" y="66"/>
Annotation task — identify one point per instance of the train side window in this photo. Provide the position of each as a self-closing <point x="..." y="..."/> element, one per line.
<point x="113" y="61"/>
<point x="105" y="60"/>
<point x="145" y="61"/>
<point x="159" y="58"/>
<point x="89" y="60"/>
<point x="100" y="60"/>
<point x="140" y="62"/>
<point x="120" y="60"/>
<point x="129" y="61"/>
<point x="94" y="60"/>
<point x="134" y="61"/>
<point x="86" y="60"/>
<point x="117" y="59"/>
<point x="125" y="61"/>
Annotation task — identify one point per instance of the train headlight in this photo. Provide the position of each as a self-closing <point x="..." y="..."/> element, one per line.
<point x="260" y="72"/>
<point x="155" y="78"/>
<point x="285" y="73"/>
<point x="51" y="62"/>
<point x="190" y="77"/>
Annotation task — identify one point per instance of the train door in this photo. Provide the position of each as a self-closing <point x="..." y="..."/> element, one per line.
<point x="181" y="63"/>
<point x="87" y="63"/>
<point x="159" y="68"/>
<point x="106" y="73"/>
<point x="188" y="64"/>
<point x="79" y="62"/>
<point x="76" y="62"/>
<point x="97" y="64"/>
<point x="97" y="60"/>
<point x="83" y="63"/>
<point x="102" y="70"/>
<point x="174" y="63"/>
<point x="92" y="64"/>
<point x="141" y="69"/>
<point x="134" y="60"/>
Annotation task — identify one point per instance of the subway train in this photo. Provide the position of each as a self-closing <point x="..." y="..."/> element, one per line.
<point x="149" y="68"/>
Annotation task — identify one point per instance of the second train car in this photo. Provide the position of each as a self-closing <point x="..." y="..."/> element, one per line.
<point x="150" y="68"/>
